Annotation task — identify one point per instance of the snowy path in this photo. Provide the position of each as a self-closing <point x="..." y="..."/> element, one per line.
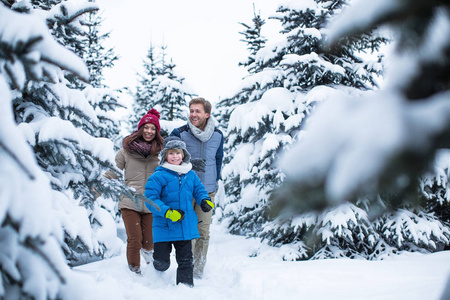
<point x="232" y="274"/>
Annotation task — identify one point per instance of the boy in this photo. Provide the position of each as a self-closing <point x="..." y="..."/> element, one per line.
<point x="172" y="187"/>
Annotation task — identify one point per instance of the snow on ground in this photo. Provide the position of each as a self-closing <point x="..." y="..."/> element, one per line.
<point x="232" y="274"/>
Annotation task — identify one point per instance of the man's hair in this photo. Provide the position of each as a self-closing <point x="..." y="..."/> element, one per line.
<point x="206" y="104"/>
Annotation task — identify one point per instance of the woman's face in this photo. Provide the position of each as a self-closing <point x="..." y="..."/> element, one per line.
<point x="149" y="132"/>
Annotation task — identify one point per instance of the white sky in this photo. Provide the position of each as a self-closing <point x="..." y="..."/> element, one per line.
<point x="202" y="38"/>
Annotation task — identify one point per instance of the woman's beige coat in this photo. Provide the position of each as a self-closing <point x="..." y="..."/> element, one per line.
<point x="136" y="169"/>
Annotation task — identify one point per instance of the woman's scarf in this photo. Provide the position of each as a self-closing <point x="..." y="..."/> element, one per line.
<point x="141" y="147"/>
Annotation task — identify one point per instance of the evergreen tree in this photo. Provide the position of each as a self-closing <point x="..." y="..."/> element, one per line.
<point x="170" y="94"/>
<point x="72" y="156"/>
<point x="359" y="159"/>
<point x="67" y="23"/>
<point x="79" y="29"/>
<point x="33" y="265"/>
<point x="100" y="96"/>
<point x="296" y="73"/>
<point x="95" y="55"/>
<point x="45" y="5"/>
<point x="161" y="88"/>
<point x="144" y="96"/>
<point x="255" y="41"/>
<point x="435" y="188"/>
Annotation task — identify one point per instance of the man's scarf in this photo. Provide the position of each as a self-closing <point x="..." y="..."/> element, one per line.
<point x="203" y="135"/>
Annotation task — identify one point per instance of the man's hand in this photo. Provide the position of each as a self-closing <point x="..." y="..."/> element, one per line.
<point x="198" y="164"/>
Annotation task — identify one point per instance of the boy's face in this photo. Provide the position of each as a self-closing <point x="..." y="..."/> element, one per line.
<point x="174" y="156"/>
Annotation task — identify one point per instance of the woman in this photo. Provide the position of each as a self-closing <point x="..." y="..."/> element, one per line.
<point x="138" y="157"/>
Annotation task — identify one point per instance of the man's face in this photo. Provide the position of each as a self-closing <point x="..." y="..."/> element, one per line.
<point x="198" y="116"/>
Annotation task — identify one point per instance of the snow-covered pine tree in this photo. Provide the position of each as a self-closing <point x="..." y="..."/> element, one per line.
<point x="171" y="93"/>
<point x="100" y="96"/>
<point x="32" y="263"/>
<point x="162" y="88"/>
<point x="255" y="41"/>
<point x="94" y="53"/>
<point x="62" y="125"/>
<point x="89" y="45"/>
<point x="144" y="95"/>
<point x="66" y="21"/>
<point x="296" y="73"/>
<point x="79" y="28"/>
<point x="348" y="155"/>
<point x="435" y="187"/>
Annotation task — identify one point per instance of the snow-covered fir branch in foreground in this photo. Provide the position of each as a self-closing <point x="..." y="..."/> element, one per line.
<point x="60" y="118"/>
<point x="33" y="265"/>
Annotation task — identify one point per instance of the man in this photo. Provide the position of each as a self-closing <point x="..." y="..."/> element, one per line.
<point x="205" y="144"/>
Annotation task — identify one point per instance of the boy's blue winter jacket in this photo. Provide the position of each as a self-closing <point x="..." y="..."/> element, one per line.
<point x="168" y="189"/>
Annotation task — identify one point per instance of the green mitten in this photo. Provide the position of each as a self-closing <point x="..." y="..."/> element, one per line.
<point x="207" y="205"/>
<point x="176" y="215"/>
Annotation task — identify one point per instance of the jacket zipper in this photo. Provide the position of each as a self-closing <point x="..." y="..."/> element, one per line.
<point x="179" y="204"/>
<point x="201" y="151"/>
<point x="201" y="156"/>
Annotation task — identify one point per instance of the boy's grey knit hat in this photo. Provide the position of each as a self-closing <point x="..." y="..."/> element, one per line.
<point x="173" y="142"/>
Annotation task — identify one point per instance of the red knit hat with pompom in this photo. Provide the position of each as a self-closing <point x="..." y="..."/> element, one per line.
<point x="151" y="117"/>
